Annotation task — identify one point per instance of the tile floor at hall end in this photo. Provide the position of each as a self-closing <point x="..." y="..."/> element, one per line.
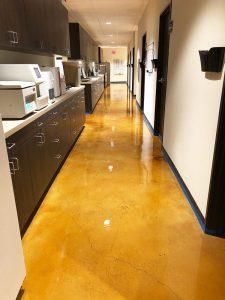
<point x="115" y="224"/>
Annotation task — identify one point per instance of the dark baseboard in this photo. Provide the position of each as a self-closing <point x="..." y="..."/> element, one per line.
<point x="139" y="107"/>
<point x="149" y="125"/>
<point x="186" y="191"/>
<point x="49" y="185"/>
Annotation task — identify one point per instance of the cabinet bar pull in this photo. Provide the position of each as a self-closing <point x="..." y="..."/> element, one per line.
<point x="17" y="168"/>
<point x="12" y="170"/>
<point x="40" y="136"/>
<point x="39" y="124"/>
<point x="54" y="124"/>
<point x="56" y="141"/>
<point x="10" y="145"/>
<point x="58" y="156"/>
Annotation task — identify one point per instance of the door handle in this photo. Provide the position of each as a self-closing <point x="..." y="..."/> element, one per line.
<point x="162" y="80"/>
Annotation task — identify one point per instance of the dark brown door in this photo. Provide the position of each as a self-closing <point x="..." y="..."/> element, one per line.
<point x="142" y="66"/>
<point x="133" y="58"/>
<point x="163" y="56"/>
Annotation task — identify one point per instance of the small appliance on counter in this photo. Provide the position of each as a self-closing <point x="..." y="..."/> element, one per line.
<point x="17" y="99"/>
<point x="48" y="85"/>
<point x="92" y="69"/>
<point x="59" y="64"/>
<point x="72" y="71"/>
<point x="56" y="79"/>
<point x="30" y="73"/>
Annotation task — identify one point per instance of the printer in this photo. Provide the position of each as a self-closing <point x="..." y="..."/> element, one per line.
<point x="29" y="73"/>
<point x="17" y="99"/>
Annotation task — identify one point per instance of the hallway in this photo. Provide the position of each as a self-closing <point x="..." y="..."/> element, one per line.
<point x="119" y="227"/>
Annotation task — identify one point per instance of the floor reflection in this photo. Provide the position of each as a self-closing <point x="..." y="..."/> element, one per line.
<point x="115" y="224"/>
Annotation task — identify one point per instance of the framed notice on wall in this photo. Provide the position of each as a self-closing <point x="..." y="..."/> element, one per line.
<point x="149" y="57"/>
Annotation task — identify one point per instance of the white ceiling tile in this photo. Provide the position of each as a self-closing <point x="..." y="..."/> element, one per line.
<point x="93" y="15"/>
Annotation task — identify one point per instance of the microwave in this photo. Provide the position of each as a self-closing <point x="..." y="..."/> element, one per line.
<point x="17" y="99"/>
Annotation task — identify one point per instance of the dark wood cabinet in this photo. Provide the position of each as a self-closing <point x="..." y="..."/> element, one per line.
<point x="34" y="25"/>
<point x="21" y="178"/>
<point x="37" y="37"/>
<point x="38" y="160"/>
<point x="12" y="23"/>
<point x="93" y="92"/>
<point x="81" y="44"/>
<point x="38" y="150"/>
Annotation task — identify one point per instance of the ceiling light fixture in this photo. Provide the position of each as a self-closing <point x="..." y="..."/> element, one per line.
<point x="108" y="23"/>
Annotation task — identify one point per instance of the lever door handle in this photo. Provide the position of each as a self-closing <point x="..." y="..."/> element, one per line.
<point x="162" y="80"/>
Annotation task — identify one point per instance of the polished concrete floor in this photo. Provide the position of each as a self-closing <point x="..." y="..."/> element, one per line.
<point x="115" y="224"/>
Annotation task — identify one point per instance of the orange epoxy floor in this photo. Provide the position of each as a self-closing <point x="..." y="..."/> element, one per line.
<point x="115" y="224"/>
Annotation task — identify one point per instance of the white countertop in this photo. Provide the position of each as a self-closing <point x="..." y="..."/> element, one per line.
<point x="12" y="126"/>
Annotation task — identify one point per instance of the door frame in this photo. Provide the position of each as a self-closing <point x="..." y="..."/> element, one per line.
<point x="133" y="64"/>
<point x="142" y="66"/>
<point x="158" y="84"/>
<point x="215" y="214"/>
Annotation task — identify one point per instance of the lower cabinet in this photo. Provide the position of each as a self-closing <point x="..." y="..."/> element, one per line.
<point x="37" y="151"/>
<point x="93" y="93"/>
<point x="22" y="182"/>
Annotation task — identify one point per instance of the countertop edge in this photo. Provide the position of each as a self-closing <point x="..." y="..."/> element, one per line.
<point x="13" y="126"/>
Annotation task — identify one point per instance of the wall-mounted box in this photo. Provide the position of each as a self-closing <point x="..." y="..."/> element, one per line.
<point x="212" y="60"/>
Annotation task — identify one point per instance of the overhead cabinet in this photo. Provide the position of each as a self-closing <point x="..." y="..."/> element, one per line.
<point x="38" y="150"/>
<point x="81" y="44"/>
<point x="34" y="25"/>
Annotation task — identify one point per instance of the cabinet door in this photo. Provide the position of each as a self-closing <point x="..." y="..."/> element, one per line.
<point x="16" y="31"/>
<point x="36" y="24"/>
<point x="65" y="132"/>
<point x="73" y="120"/>
<point x="63" y="46"/>
<point x="38" y="161"/>
<point x="22" y="184"/>
<point x="53" y="140"/>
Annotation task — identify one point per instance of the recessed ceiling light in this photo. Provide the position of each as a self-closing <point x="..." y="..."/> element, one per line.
<point x="108" y="23"/>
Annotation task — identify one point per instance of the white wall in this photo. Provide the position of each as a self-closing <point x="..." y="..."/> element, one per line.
<point x="193" y="101"/>
<point x="150" y="24"/>
<point x="109" y="55"/>
<point x="193" y="97"/>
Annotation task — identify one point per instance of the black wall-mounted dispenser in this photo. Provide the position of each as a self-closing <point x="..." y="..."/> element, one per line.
<point x="155" y="62"/>
<point x="212" y="60"/>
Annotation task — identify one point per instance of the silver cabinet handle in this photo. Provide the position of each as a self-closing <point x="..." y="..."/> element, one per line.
<point x="16" y="38"/>
<point x="12" y="34"/>
<point x="12" y="169"/>
<point x="56" y="141"/>
<point x="39" y="124"/>
<point x="10" y="145"/>
<point x="17" y="168"/>
<point x="54" y="124"/>
<point x="58" y="156"/>
<point x="41" y="137"/>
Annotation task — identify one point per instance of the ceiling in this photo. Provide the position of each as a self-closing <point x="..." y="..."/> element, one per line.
<point x="93" y="15"/>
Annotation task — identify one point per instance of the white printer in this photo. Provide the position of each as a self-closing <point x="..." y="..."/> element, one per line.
<point x="17" y="99"/>
<point x="26" y="72"/>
